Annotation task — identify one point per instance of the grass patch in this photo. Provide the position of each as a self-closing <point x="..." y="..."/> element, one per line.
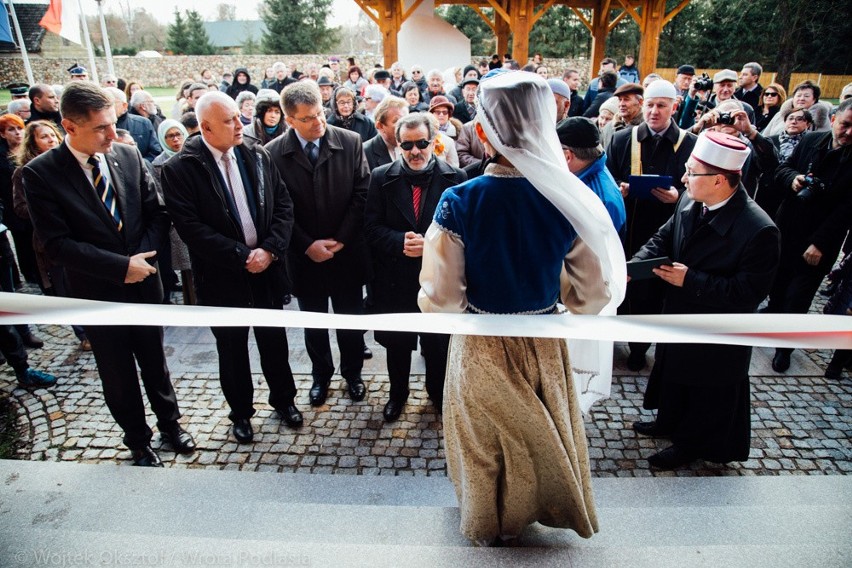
<point x="10" y="434"/>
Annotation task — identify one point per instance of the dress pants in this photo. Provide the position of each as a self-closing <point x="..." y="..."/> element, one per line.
<point x="435" y="347"/>
<point x="351" y="342"/>
<point x="793" y="289"/>
<point x="12" y="348"/>
<point x="117" y="349"/>
<point x="643" y="297"/>
<point x="235" y="368"/>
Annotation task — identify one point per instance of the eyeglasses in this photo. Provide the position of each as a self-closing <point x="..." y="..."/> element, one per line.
<point x="792" y="118"/>
<point x="441" y="111"/>
<point x="692" y="174"/>
<point x="311" y="118"/>
<point x="409" y="144"/>
<point x="174" y="135"/>
<point x="769" y="94"/>
<point x="346" y="103"/>
<point x="416" y="72"/>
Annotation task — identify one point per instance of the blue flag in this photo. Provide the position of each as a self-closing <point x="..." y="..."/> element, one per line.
<point x="5" y="30"/>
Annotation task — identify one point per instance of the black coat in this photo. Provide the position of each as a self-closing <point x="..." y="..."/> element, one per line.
<point x="752" y="98"/>
<point x="78" y="232"/>
<point x="328" y="203"/>
<point x="461" y="113"/>
<point x="731" y="262"/>
<point x="377" y="152"/>
<point x="389" y="214"/>
<point x="824" y="220"/>
<point x="645" y="216"/>
<point x="360" y="124"/>
<point x="203" y="212"/>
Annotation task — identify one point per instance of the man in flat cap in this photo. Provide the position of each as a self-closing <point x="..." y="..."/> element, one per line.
<point x="465" y="110"/>
<point x="629" y="113"/>
<point x="581" y="144"/>
<point x="655" y="147"/>
<point x="725" y="251"/>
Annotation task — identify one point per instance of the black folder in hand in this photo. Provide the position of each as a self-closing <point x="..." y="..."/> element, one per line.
<point x="641" y="269"/>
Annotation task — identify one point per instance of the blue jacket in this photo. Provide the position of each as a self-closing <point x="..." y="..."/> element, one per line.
<point x="143" y="133"/>
<point x="599" y="180"/>
<point x="593" y="91"/>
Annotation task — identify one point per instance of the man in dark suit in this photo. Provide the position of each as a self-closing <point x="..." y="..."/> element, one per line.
<point x="725" y="250"/>
<point x="232" y="210"/>
<point x="327" y="175"/>
<point x="658" y="147"/>
<point x="140" y="128"/>
<point x="750" y="89"/>
<point x="96" y="210"/>
<point x="382" y="148"/>
<point x="400" y="205"/>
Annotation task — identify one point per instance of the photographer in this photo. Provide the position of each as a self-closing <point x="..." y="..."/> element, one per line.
<point x="730" y="118"/>
<point x="813" y="218"/>
<point x="699" y="91"/>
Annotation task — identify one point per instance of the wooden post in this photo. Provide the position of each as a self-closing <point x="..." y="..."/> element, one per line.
<point x="502" y="35"/>
<point x="389" y="24"/>
<point x="600" y="29"/>
<point x="653" y="20"/>
<point x="521" y="12"/>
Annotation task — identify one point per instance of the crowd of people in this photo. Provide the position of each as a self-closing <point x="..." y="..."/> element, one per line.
<point x="460" y="191"/>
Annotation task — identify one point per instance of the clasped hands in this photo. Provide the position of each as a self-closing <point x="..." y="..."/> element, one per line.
<point x="322" y="250"/>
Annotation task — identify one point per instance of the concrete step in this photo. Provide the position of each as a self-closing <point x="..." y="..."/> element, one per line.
<point x="80" y="514"/>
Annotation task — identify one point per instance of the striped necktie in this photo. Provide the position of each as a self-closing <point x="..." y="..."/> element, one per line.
<point x="105" y="191"/>
<point x="239" y="196"/>
<point x="415" y="198"/>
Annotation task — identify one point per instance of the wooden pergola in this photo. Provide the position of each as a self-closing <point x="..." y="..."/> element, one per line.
<point x="517" y="17"/>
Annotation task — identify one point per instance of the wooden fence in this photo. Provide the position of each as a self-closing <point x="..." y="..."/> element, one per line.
<point x="831" y="85"/>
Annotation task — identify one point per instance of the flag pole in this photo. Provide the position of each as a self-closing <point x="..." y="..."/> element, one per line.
<point x="88" y="44"/>
<point x="107" y="49"/>
<point x="20" y="35"/>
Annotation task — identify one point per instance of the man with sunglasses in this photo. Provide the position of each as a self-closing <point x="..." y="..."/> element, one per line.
<point x="327" y="175"/>
<point x="401" y="202"/>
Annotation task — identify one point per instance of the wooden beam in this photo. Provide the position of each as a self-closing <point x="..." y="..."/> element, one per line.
<point x="411" y="9"/>
<point x="369" y="11"/>
<point x="600" y="29"/>
<point x="485" y="18"/>
<point x="633" y="14"/>
<point x="521" y="12"/>
<point x="500" y="10"/>
<point x="654" y="12"/>
<point x="582" y="18"/>
<point x="675" y="11"/>
<point x="502" y="32"/>
<point x="542" y="10"/>
<point x="603" y="13"/>
<point x="617" y="19"/>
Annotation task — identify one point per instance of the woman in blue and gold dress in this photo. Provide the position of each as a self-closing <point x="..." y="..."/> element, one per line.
<point x="518" y="240"/>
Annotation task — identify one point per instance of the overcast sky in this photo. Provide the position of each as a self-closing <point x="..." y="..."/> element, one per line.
<point x="344" y="11"/>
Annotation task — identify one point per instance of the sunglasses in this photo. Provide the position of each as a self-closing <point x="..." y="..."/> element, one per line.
<point x="421" y="144"/>
<point x="769" y="94"/>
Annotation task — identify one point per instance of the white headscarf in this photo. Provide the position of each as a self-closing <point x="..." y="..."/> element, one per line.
<point x="517" y="111"/>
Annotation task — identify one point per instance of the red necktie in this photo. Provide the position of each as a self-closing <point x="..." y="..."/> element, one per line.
<point x="415" y="196"/>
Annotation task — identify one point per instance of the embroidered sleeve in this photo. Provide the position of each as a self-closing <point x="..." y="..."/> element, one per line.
<point x="443" y="285"/>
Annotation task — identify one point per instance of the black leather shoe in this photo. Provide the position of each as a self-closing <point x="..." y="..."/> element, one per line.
<point x="636" y="361"/>
<point x="671" y="458"/>
<point x="319" y="392"/>
<point x="393" y="409"/>
<point x="179" y="439"/>
<point x="781" y="361"/>
<point x="357" y="390"/>
<point x="32" y="341"/>
<point x="243" y="431"/>
<point x="291" y="415"/>
<point x="146" y="457"/>
<point x="648" y="429"/>
<point x="367" y="353"/>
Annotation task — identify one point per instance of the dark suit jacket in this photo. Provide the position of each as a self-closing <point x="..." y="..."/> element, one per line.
<point x="78" y="232"/>
<point x="388" y="216"/>
<point x="731" y="262"/>
<point x="204" y="215"/>
<point x="752" y="98"/>
<point x="460" y="112"/>
<point x="328" y="203"/>
<point x="377" y="152"/>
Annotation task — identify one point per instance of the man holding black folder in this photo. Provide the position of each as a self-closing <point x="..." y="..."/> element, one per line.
<point x="725" y="251"/>
<point x="655" y="148"/>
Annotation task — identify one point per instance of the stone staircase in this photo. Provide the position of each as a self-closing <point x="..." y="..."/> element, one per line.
<point x="69" y="514"/>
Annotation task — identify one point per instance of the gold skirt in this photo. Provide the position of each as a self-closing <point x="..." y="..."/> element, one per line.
<point x="514" y="437"/>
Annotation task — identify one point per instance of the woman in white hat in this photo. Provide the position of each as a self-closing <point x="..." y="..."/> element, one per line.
<point x="507" y="242"/>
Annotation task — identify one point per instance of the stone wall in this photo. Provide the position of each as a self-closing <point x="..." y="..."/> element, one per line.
<point x="172" y="70"/>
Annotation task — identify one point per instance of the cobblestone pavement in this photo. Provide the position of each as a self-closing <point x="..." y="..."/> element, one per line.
<point x="801" y="421"/>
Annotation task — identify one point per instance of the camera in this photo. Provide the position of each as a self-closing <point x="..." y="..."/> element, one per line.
<point x="725" y="118"/>
<point x="812" y="186"/>
<point x="704" y="83"/>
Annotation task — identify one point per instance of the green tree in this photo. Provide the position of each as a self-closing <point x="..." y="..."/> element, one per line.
<point x="297" y="26"/>
<point x="198" y="42"/>
<point x="468" y="22"/>
<point x="177" y="39"/>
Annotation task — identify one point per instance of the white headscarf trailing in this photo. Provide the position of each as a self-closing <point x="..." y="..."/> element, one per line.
<point x="517" y="111"/>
